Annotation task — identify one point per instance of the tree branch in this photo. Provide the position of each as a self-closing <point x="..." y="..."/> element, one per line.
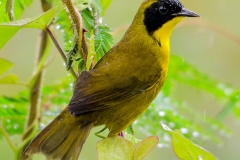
<point x="60" y="51"/>
<point x="10" y="9"/>
<point x="34" y="109"/>
<point x="76" y="19"/>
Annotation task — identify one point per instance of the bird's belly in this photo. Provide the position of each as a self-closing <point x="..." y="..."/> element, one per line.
<point x="119" y="117"/>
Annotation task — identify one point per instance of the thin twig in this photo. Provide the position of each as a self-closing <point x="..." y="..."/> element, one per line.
<point x="10" y="9"/>
<point x="60" y="51"/>
<point x="95" y="16"/>
<point x="76" y="19"/>
<point x="74" y="14"/>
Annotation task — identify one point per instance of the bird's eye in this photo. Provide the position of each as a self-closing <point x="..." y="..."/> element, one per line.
<point x="163" y="9"/>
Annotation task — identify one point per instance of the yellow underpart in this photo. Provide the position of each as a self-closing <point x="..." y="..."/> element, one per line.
<point x="163" y="34"/>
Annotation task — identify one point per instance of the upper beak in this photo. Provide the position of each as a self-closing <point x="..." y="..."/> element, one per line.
<point x="186" y="13"/>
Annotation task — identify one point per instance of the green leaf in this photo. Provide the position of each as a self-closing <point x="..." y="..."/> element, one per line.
<point x="13" y="112"/>
<point x="9" y="29"/>
<point x="103" y="41"/>
<point x="117" y="148"/>
<point x="9" y="79"/>
<point x="19" y="7"/>
<point x="87" y="19"/>
<point x="145" y="146"/>
<point x="105" y="5"/>
<point x="98" y="5"/>
<point x="13" y="125"/>
<point x="185" y="149"/>
<point x="5" y="65"/>
<point x="131" y="138"/>
<point x="51" y="96"/>
<point x="82" y="4"/>
<point x="91" y="52"/>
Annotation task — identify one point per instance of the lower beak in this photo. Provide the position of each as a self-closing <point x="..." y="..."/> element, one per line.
<point x="186" y="13"/>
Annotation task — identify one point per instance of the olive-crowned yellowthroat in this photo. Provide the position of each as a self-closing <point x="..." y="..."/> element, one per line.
<point x="120" y="86"/>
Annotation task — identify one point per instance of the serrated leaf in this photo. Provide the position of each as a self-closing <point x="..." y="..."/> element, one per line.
<point x="14" y="125"/>
<point x="115" y="148"/>
<point x="13" y="111"/>
<point x="9" y="29"/>
<point x="14" y="106"/>
<point x="9" y="79"/>
<point x="87" y="19"/>
<point x="5" y="65"/>
<point x="185" y="149"/>
<point x="103" y="41"/>
<point x="145" y="146"/>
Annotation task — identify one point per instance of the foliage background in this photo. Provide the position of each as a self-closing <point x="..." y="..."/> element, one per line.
<point x="210" y="52"/>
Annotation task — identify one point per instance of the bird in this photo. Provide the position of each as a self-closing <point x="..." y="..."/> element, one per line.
<point x="120" y="87"/>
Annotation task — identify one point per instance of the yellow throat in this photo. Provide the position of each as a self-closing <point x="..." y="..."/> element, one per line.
<point x="162" y="35"/>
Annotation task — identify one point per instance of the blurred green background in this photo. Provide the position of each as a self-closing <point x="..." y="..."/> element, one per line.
<point x="210" y="52"/>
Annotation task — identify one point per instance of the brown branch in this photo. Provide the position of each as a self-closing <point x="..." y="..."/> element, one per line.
<point x="10" y="9"/>
<point x="74" y="14"/>
<point x="60" y="51"/>
<point x="34" y="109"/>
<point x="76" y="19"/>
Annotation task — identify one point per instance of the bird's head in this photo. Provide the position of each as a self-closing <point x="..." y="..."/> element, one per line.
<point x="159" y="17"/>
<point x="161" y="12"/>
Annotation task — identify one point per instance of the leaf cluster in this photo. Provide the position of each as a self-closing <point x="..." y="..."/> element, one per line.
<point x="103" y="40"/>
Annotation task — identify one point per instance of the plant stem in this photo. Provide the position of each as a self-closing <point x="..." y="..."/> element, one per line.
<point x="76" y="19"/>
<point x="34" y="109"/>
<point x="10" y="9"/>
<point x="34" y="113"/>
<point x="74" y="14"/>
<point x="60" y="51"/>
<point x="96" y="18"/>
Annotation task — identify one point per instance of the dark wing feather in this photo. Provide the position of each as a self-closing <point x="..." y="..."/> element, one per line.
<point x="96" y="90"/>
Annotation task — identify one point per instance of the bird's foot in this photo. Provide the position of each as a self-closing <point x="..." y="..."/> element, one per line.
<point x="121" y="134"/>
<point x="98" y="133"/>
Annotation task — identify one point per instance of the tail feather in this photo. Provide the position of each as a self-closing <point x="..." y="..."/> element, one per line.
<point x="62" y="139"/>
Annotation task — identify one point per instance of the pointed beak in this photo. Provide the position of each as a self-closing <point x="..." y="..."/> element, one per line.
<point x="186" y="13"/>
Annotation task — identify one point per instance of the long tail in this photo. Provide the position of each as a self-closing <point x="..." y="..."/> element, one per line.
<point x="62" y="139"/>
